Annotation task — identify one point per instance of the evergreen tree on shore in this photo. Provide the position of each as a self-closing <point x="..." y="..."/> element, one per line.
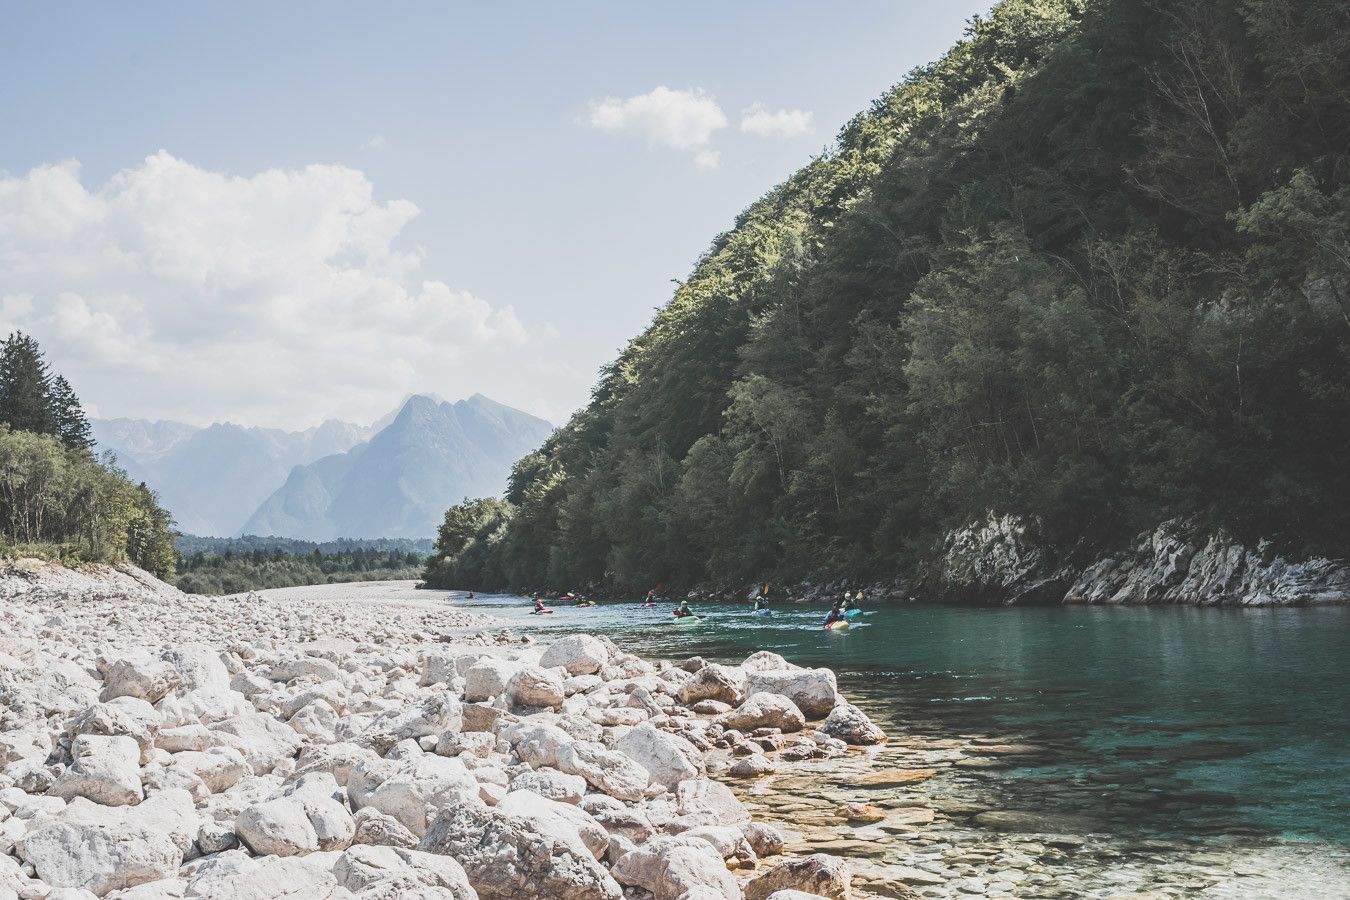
<point x="25" y="386"/>
<point x="72" y="425"/>
<point x="34" y="399"/>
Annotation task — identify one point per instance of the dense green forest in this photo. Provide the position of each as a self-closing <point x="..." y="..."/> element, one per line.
<point x="229" y="565"/>
<point x="1092" y="267"/>
<point x="57" y="499"/>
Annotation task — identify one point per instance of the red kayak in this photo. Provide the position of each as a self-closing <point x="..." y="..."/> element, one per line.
<point x="541" y="612"/>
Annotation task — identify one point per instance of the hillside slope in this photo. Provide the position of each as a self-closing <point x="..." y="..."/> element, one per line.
<point x="1090" y="270"/>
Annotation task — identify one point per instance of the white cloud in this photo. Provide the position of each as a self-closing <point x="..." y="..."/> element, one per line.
<point x="708" y="159"/>
<point x="682" y="120"/>
<point x="376" y="143"/>
<point x="278" y="298"/>
<point x="762" y="122"/>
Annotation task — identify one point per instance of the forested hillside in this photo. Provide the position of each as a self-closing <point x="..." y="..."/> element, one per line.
<point x="1091" y="268"/>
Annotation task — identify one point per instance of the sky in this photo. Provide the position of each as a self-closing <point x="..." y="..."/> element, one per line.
<point x="279" y="213"/>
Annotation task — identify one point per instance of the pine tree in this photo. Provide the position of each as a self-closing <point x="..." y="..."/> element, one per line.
<point x="25" y="386"/>
<point x="72" y="426"/>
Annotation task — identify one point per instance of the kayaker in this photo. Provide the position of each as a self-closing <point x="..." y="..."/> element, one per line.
<point x="835" y="614"/>
<point x="538" y="604"/>
<point x="847" y="603"/>
<point x="761" y="602"/>
<point x="683" y="611"/>
<point x="651" y="598"/>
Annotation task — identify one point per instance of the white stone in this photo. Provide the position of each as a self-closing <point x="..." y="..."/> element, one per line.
<point x="765" y="710"/>
<point x="668" y="758"/>
<point x="105" y="769"/>
<point x="578" y="654"/>
<point x="535" y="687"/>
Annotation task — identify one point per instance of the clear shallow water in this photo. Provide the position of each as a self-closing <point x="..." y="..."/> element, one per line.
<point x="1163" y="722"/>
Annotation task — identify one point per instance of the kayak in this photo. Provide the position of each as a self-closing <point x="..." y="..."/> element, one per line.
<point x="585" y="603"/>
<point x="839" y="625"/>
<point x="762" y="612"/>
<point x="853" y="613"/>
<point x="541" y="612"/>
<point x="687" y="620"/>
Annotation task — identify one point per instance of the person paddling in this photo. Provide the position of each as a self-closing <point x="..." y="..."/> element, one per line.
<point x="538" y="604"/>
<point x="651" y="598"/>
<point x="683" y="611"/>
<point x="761" y="602"/>
<point x="835" y="614"/>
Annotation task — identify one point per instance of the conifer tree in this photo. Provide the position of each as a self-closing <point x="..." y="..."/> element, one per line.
<point x="72" y="426"/>
<point x="25" y="386"/>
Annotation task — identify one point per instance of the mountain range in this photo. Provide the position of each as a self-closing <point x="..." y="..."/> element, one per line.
<point x="394" y="478"/>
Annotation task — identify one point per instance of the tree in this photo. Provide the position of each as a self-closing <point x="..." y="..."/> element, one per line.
<point x="72" y="426"/>
<point x="25" y="387"/>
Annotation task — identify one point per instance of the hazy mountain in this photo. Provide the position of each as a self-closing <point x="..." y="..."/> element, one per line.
<point x="211" y="479"/>
<point x="399" y="483"/>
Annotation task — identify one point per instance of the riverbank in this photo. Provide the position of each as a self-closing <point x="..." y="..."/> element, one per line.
<point x="353" y="741"/>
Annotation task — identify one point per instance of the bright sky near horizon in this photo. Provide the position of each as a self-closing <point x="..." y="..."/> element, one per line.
<point x="275" y="214"/>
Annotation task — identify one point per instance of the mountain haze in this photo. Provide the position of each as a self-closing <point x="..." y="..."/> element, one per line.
<point x="399" y="483"/>
<point x="211" y="479"/>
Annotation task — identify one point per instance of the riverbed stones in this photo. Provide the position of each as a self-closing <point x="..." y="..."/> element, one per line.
<point x="887" y="778"/>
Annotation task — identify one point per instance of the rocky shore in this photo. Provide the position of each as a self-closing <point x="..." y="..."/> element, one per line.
<point x="157" y="745"/>
<point x="1003" y="561"/>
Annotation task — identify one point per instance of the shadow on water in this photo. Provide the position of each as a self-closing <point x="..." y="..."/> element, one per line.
<point x="1172" y="720"/>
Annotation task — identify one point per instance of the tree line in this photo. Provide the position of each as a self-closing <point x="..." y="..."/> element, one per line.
<point x="57" y="499"/>
<point x="231" y="565"/>
<point x="1091" y="267"/>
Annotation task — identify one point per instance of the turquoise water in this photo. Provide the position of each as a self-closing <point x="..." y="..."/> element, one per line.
<point x="1163" y="721"/>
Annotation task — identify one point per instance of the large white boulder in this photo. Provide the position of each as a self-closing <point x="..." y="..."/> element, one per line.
<point x="141" y="677"/>
<point x="765" y="710"/>
<point x="677" y="868"/>
<point x="263" y="740"/>
<point x="551" y="783"/>
<point x="488" y="678"/>
<point x="815" y="691"/>
<point x="827" y="876"/>
<point x="126" y="716"/>
<point x="105" y="769"/>
<point x="399" y="872"/>
<point x="233" y="875"/>
<point x="509" y="857"/>
<point x="605" y="770"/>
<point x="219" y="768"/>
<point x="579" y="654"/>
<point x="420" y="788"/>
<point x="711" y="802"/>
<point x="668" y="758"/>
<point x="99" y="857"/>
<point x="714" y="682"/>
<point x="533" y="686"/>
<point x="562" y="820"/>
<point x="307" y="818"/>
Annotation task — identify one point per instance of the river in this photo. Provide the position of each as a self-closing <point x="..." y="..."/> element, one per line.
<point x="1167" y="722"/>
